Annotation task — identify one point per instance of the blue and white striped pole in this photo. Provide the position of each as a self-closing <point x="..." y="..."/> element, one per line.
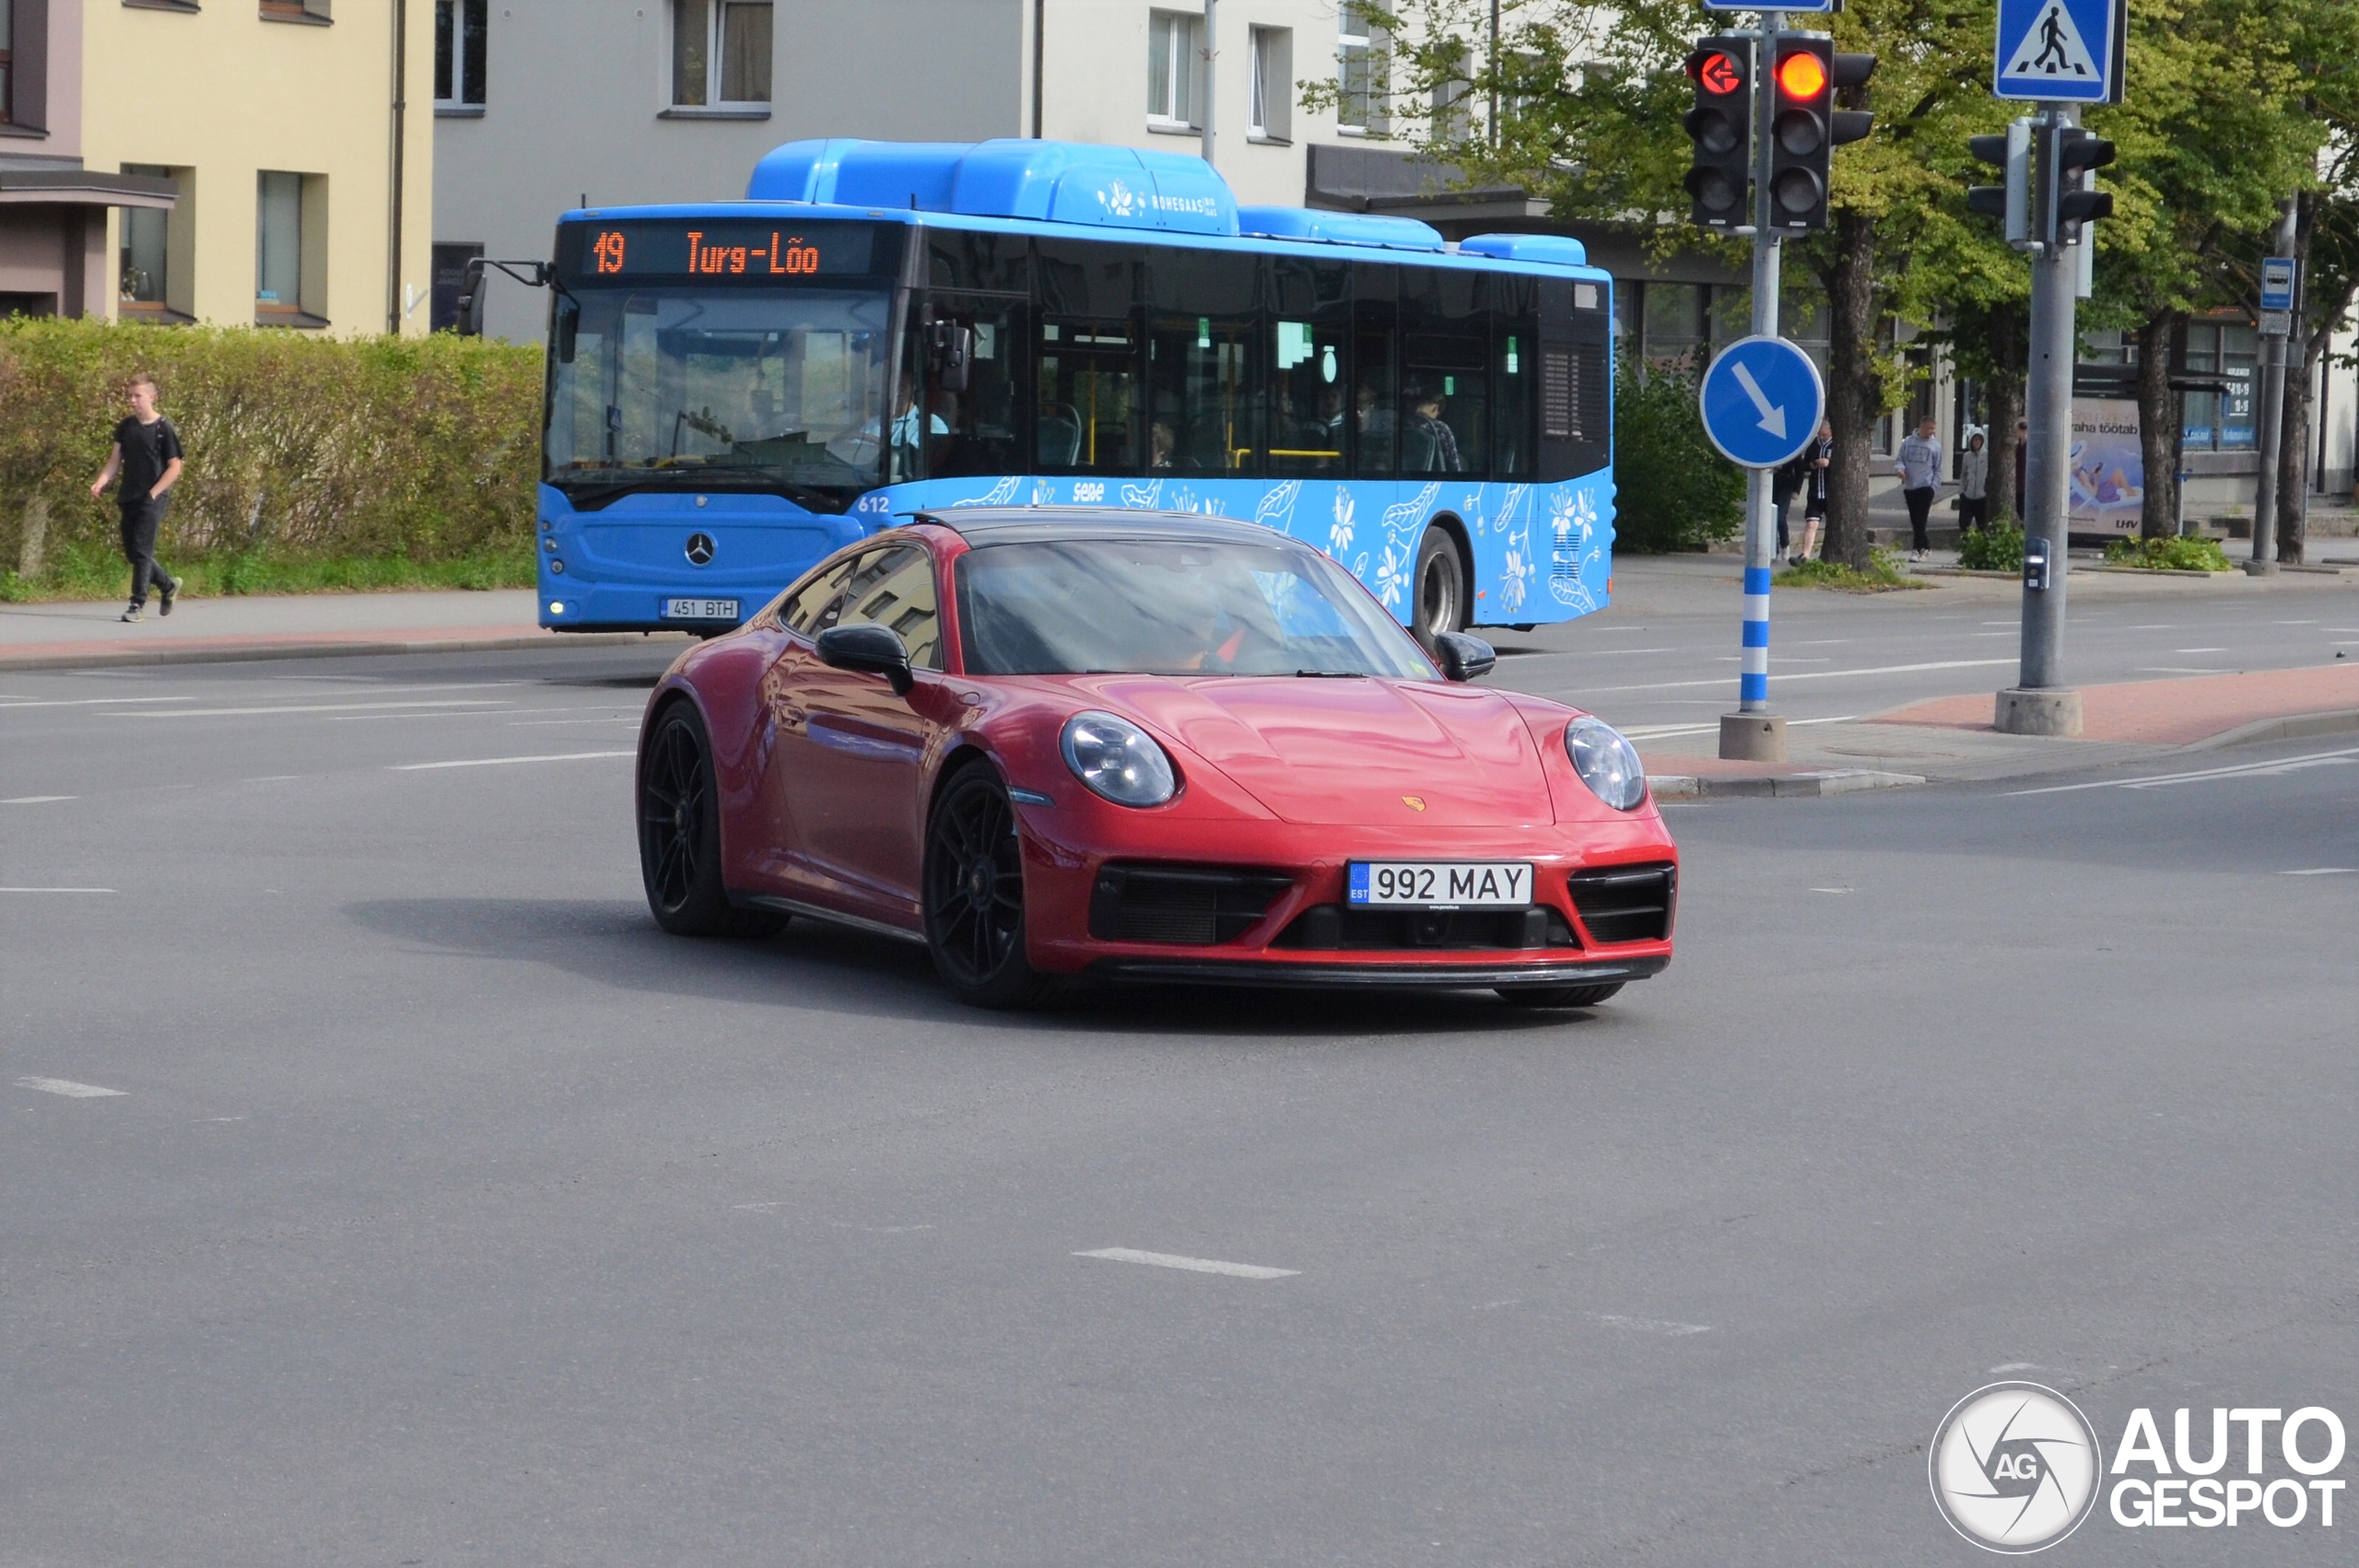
<point x="1752" y="684"/>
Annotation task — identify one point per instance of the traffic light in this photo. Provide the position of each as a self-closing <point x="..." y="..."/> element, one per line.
<point x="1807" y="127"/>
<point x="2068" y="186"/>
<point x="1722" y="128"/>
<point x="2010" y="201"/>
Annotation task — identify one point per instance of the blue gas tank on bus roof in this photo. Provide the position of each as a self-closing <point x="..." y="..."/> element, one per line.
<point x="1045" y="182"/>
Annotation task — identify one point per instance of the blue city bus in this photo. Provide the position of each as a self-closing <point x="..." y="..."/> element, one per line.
<point x="880" y="329"/>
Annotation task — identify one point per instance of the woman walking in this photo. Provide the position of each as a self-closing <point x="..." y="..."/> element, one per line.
<point x="1973" y="484"/>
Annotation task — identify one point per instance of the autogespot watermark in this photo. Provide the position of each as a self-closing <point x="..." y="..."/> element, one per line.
<point x="2017" y="1467"/>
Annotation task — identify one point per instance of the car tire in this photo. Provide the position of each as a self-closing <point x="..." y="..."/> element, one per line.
<point x="1439" y="588"/>
<point x="974" y="894"/>
<point x="1557" y="995"/>
<point x="679" y="835"/>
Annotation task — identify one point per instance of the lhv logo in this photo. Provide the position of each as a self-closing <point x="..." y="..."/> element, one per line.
<point x="2015" y="1467"/>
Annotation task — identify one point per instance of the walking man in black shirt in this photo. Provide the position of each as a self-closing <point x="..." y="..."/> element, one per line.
<point x="147" y="454"/>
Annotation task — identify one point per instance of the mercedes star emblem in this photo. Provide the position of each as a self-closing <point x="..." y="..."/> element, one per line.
<point x="700" y="549"/>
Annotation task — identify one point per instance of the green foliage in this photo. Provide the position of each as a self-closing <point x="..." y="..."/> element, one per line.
<point x="2184" y="553"/>
<point x="1882" y="576"/>
<point x="1673" y="490"/>
<point x="1996" y="548"/>
<point x="303" y="451"/>
<point x="86" y="571"/>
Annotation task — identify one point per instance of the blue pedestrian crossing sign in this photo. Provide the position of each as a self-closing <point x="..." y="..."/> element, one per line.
<point x="2060" y="51"/>
<point x="1762" y="401"/>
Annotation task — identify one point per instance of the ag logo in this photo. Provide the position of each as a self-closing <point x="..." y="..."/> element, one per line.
<point x="700" y="551"/>
<point x="2014" y="1468"/>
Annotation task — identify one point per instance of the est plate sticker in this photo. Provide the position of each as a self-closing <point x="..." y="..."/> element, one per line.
<point x="1466" y="884"/>
<point x="699" y="608"/>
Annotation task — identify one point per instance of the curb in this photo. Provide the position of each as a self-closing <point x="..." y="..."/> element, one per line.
<point x="233" y="652"/>
<point x="2292" y="727"/>
<point x="1780" y="786"/>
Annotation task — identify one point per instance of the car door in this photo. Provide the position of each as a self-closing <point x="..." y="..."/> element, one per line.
<point x="855" y="803"/>
<point x="808" y="610"/>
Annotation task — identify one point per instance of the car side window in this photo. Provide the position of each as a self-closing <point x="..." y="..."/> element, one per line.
<point x="894" y="587"/>
<point x="811" y="608"/>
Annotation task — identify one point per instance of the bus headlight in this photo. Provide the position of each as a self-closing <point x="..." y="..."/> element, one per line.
<point x="1607" y="763"/>
<point x="1118" y="760"/>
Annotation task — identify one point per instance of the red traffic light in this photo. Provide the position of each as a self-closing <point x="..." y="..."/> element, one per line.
<point x="1716" y="72"/>
<point x="1801" y="75"/>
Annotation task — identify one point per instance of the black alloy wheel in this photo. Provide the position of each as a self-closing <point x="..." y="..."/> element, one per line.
<point x="1440" y="587"/>
<point x="1557" y="995"/>
<point x="974" y="894"/>
<point x="679" y="835"/>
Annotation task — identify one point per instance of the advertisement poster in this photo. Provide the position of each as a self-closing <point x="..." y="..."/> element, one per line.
<point x="2109" y="469"/>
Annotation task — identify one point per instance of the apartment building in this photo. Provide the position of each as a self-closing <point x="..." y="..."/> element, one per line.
<point x="265" y="162"/>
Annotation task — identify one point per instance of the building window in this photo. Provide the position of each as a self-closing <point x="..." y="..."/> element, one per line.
<point x="1452" y="103"/>
<point x="721" y="53"/>
<point x="290" y="239"/>
<point x="458" y="37"/>
<point x="1359" y="71"/>
<point x="1173" y="44"/>
<point x="8" y="62"/>
<point x="144" y="285"/>
<point x="1270" y="114"/>
<point x="293" y="10"/>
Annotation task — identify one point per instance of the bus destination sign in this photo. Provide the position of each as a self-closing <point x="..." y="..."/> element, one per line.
<point x="721" y="252"/>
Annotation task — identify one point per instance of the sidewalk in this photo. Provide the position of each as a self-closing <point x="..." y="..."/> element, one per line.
<point x="1950" y="739"/>
<point x="41" y="637"/>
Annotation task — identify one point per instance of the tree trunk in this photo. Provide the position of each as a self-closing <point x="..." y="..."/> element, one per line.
<point x="2008" y="347"/>
<point x="2157" y="425"/>
<point x="1854" y="390"/>
<point x="2302" y="351"/>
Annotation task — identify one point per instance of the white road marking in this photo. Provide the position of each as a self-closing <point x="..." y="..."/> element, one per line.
<point x="2296" y="623"/>
<point x="1660" y="731"/>
<point x="503" y="761"/>
<point x="2323" y="870"/>
<point x="2199" y="651"/>
<point x="318" y="707"/>
<point x="69" y="1088"/>
<point x="609" y="719"/>
<point x="1650" y="1324"/>
<point x="56" y="890"/>
<point x="1817" y="675"/>
<point x="1199" y="1265"/>
<point x="1830" y="890"/>
<point x="2006" y="1367"/>
<point x="2157" y="626"/>
<point x="2205" y="775"/>
<point x="34" y="799"/>
<point x="8" y="702"/>
<point x="440" y="711"/>
<point x="2180" y="669"/>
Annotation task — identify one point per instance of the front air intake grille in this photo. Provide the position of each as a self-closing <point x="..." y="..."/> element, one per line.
<point x="1339" y="928"/>
<point x="1626" y="903"/>
<point x="1184" y="906"/>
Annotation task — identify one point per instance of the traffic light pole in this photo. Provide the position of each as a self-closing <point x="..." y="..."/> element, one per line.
<point x="1753" y="733"/>
<point x="2040" y="703"/>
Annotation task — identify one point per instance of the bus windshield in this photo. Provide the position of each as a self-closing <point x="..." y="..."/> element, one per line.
<point x="685" y="387"/>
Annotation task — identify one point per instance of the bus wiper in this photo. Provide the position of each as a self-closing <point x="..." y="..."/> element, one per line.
<point x="681" y="481"/>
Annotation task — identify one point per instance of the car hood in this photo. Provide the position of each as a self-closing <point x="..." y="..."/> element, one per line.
<point x="1361" y="751"/>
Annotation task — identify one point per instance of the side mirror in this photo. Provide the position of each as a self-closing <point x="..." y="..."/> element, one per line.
<point x="878" y="650"/>
<point x="471" y="284"/>
<point x="1462" y="658"/>
<point x="953" y="354"/>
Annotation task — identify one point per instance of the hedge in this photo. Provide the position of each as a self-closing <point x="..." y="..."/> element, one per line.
<point x="1673" y="490"/>
<point x="298" y="447"/>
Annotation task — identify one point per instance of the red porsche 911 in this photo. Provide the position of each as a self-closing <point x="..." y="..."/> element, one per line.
<point x="1140" y="745"/>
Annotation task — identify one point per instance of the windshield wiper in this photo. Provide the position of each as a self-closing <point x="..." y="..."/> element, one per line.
<point x="590" y="496"/>
<point x="1331" y="674"/>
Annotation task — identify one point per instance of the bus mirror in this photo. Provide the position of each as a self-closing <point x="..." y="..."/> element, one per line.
<point x="569" y="327"/>
<point x="470" y="322"/>
<point x="954" y="352"/>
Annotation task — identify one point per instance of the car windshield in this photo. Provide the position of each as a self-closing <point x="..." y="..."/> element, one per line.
<point x="719" y="389"/>
<point x="1167" y="607"/>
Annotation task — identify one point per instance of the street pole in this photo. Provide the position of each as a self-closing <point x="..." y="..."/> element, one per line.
<point x="2040" y="703"/>
<point x="1753" y="733"/>
<point x="1211" y="25"/>
<point x="2273" y="423"/>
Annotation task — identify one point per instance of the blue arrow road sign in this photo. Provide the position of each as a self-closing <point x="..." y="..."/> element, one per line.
<point x="2277" y="283"/>
<point x="1762" y="401"/>
<point x="2060" y="51"/>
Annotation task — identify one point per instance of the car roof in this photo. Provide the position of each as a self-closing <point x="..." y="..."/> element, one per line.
<point x="1012" y="525"/>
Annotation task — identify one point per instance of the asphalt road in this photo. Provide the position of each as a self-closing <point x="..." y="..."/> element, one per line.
<point x="445" y="1213"/>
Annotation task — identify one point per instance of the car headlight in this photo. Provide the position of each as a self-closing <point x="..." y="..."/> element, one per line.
<point x="1607" y="763"/>
<point x="1119" y="760"/>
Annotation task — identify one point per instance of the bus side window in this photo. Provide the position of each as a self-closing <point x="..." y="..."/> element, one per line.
<point x="1088" y="353"/>
<point x="1311" y="405"/>
<point x="1375" y="370"/>
<point x="975" y="429"/>
<point x="1514" y="341"/>
<point x="1203" y="371"/>
<point x="1445" y="384"/>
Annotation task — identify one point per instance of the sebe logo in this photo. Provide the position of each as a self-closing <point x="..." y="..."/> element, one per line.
<point x="2014" y="1468"/>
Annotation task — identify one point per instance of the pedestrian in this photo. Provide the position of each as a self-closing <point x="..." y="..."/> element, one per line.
<point x="148" y="455"/>
<point x="1973" y="484"/>
<point x="1784" y="480"/>
<point x="1919" y="462"/>
<point x="1818" y="467"/>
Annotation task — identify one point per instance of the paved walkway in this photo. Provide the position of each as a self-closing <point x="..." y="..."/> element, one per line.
<point x="2170" y="713"/>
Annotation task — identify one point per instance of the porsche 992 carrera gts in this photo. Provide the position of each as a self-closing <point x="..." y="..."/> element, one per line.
<point x="1107" y="746"/>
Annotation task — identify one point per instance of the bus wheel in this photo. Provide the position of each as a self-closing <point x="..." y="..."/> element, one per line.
<point x="679" y="836"/>
<point x="1440" y="588"/>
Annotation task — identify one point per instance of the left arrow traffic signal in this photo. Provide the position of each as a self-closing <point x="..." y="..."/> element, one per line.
<point x="1722" y="128"/>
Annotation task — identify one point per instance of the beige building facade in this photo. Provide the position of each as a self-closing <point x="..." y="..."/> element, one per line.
<point x="297" y="137"/>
